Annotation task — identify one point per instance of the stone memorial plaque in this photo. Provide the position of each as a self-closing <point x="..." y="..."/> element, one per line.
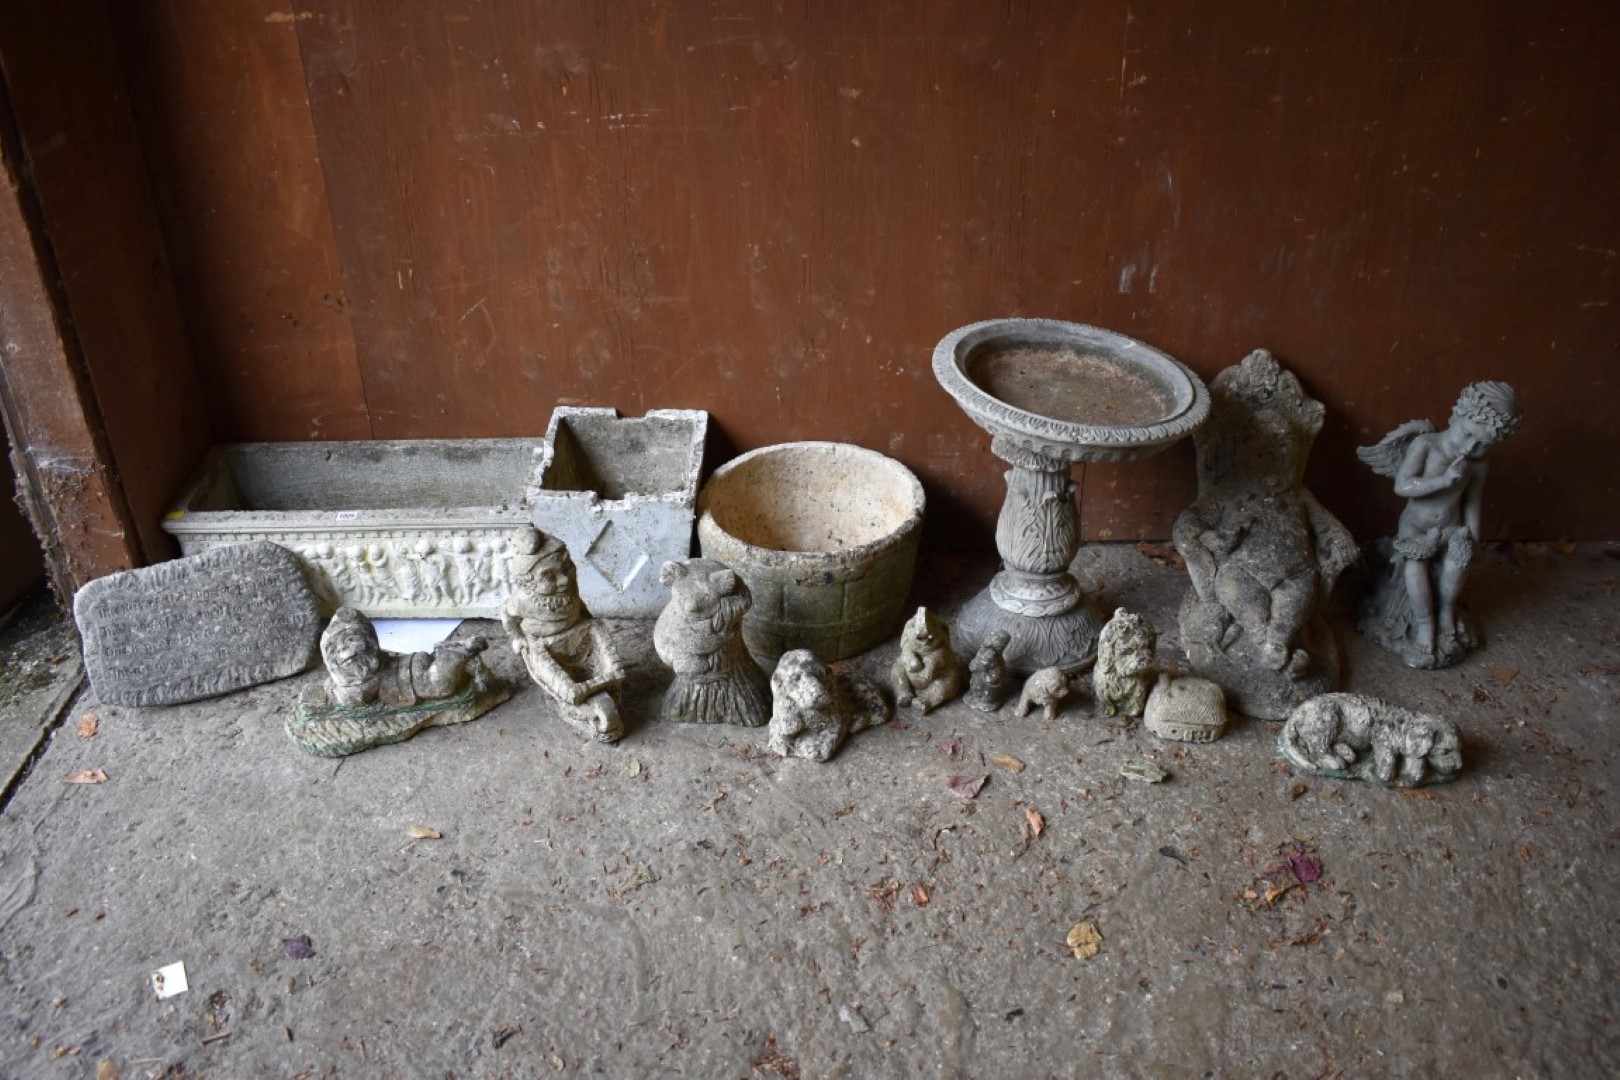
<point x="195" y="627"/>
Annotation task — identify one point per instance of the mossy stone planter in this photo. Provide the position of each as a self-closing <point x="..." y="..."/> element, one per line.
<point x="825" y="534"/>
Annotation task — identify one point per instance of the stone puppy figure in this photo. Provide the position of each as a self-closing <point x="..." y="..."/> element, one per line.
<point x="1356" y="736"/>
<point x="1125" y="669"/>
<point x="927" y="673"/>
<point x="987" y="674"/>
<point x="699" y="636"/>
<point x="814" y="709"/>
<point x="1046" y="688"/>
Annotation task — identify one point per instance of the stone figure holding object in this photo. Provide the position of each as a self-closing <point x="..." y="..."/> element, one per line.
<point x="927" y="672"/>
<point x="568" y="654"/>
<point x="1413" y="608"/>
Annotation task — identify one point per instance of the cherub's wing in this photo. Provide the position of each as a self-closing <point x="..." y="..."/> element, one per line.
<point x="1385" y="458"/>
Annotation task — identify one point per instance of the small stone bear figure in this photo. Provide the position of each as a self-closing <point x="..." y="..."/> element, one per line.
<point x="814" y="708"/>
<point x="1125" y="669"/>
<point x="1354" y="736"/>
<point x="699" y="636"/>
<point x="927" y="673"/>
<point x="1046" y="688"/>
<point x="987" y="674"/>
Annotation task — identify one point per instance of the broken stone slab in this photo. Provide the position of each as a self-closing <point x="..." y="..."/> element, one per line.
<point x="196" y="627"/>
<point x="621" y="493"/>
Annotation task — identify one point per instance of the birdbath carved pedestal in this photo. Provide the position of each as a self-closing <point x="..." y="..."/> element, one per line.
<point x="1053" y="395"/>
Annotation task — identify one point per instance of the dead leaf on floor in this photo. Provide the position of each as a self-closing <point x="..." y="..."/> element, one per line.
<point x="1504" y="674"/>
<point x="885" y="892"/>
<point x="1608" y="586"/>
<point x="919" y="894"/>
<point x="851" y="1014"/>
<point x="1565" y="547"/>
<point x="88" y="723"/>
<point x="106" y="1070"/>
<point x="951" y="747"/>
<point x="634" y="767"/>
<point x="298" y="948"/>
<point x="1084" y="940"/>
<point x="773" y="1060"/>
<point x="1008" y="762"/>
<point x="500" y="1036"/>
<point x="1143" y="771"/>
<point x="1037" y="824"/>
<point x="1297" y="790"/>
<point x="85" y="776"/>
<point x="59" y="1050"/>
<point x="423" y="832"/>
<point x="1163" y="554"/>
<point x="966" y="787"/>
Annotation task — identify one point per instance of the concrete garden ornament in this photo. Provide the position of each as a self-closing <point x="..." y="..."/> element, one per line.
<point x="372" y="697"/>
<point x="1353" y="736"/>
<point x="988" y="684"/>
<point x="815" y="708"/>
<point x="927" y="673"/>
<point x="1125" y="668"/>
<point x="1188" y="709"/>
<point x="699" y="637"/>
<point x="567" y="653"/>
<point x="1044" y="690"/>
<point x="1413" y="610"/>
<point x="1262" y="553"/>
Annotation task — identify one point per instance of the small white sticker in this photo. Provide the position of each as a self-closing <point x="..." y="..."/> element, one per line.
<point x="348" y="515"/>
<point x="169" y="981"/>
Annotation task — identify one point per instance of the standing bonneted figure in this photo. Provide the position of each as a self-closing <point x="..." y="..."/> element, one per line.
<point x="815" y="708"/>
<point x="987" y="674"/>
<point x="1125" y="667"/>
<point x="927" y="673"/>
<point x="699" y="636"/>
<point x="1262" y="553"/>
<point x="1413" y="610"/>
<point x="567" y="653"/>
<point x="1045" y="689"/>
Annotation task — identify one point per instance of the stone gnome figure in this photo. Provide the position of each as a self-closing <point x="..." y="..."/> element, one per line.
<point x="1413" y="609"/>
<point x="1125" y="669"/>
<point x="927" y="673"/>
<point x="699" y="636"/>
<point x="987" y="674"/>
<point x="567" y="653"/>
<point x="814" y="708"/>
<point x="1262" y="553"/>
<point x="372" y="698"/>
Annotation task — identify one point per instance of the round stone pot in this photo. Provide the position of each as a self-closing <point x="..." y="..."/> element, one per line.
<point x="825" y="534"/>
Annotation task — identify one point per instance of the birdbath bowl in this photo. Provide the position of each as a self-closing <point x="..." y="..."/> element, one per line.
<point x="1053" y="395"/>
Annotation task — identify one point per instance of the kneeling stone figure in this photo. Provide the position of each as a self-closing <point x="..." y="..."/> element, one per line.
<point x="1354" y="736"/>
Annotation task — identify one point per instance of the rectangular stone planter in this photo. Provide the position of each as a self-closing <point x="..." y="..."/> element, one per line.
<point x="413" y="528"/>
<point x="621" y="493"/>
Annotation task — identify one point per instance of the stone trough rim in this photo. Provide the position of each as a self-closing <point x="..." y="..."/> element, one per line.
<point x="717" y="541"/>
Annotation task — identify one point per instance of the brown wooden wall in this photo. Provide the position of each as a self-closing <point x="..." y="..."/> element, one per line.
<point x="401" y="220"/>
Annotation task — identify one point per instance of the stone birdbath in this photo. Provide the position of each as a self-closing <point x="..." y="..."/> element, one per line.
<point x="1053" y="395"/>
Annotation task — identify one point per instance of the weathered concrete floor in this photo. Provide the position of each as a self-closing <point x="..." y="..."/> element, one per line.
<point x="684" y="905"/>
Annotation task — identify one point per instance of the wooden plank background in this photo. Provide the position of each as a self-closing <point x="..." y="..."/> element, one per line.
<point x="401" y="220"/>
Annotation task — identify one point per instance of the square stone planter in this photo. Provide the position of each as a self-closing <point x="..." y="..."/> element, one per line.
<point x="412" y="528"/>
<point x="621" y="493"/>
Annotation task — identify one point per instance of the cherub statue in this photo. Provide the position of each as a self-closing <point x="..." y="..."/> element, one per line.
<point x="567" y="653"/>
<point x="987" y="673"/>
<point x="1262" y="553"/>
<point x="1413" y="609"/>
<point x="814" y="708"/>
<point x="699" y="635"/>
<point x="372" y="697"/>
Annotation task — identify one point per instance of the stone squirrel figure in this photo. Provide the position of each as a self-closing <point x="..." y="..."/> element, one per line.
<point x="927" y="673"/>
<point x="699" y="636"/>
<point x="1359" y="737"/>
<point x="814" y="708"/>
<point x="1125" y="667"/>
<point x="987" y="673"/>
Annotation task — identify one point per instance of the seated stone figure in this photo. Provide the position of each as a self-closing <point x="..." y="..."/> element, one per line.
<point x="699" y="636"/>
<point x="372" y="697"/>
<point x="567" y="653"/>
<point x="814" y="708"/>
<point x="1262" y="553"/>
<point x="1413" y="609"/>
